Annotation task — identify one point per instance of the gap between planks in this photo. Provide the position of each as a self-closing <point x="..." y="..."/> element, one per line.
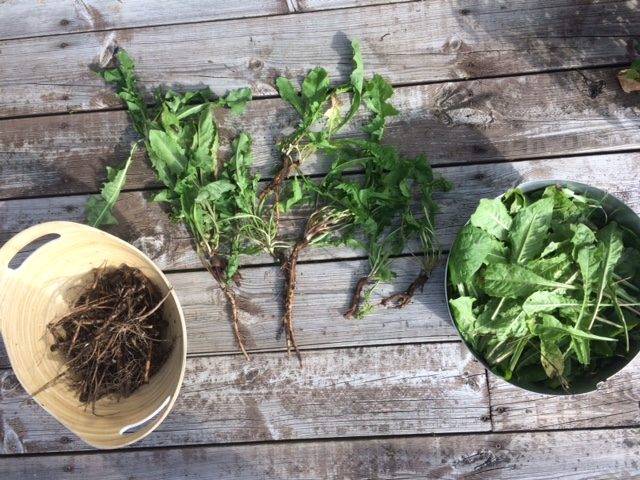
<point x="391" y="438"/>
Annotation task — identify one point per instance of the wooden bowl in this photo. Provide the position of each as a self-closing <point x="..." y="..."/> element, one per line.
<point x="39" y="291"/>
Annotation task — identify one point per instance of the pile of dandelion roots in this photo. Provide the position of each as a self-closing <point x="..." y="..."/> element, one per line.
<point x="115" y="336"/>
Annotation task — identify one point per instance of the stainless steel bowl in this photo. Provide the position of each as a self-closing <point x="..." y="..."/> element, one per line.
<point x="616" y="210"/>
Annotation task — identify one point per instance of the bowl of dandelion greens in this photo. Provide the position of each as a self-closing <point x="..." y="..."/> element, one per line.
<point x="543" y="285"/>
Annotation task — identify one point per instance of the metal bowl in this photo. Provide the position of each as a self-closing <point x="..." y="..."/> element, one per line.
<point x="616" y="210"/>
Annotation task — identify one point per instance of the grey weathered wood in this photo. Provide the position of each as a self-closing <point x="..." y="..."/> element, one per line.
<point x="615" y="403"/>
<point x="526" y="456"/>
<point x="395" y="390"/>
<point x="473" y="121"/>
<point x="33" y="18"/>
<point x="407" y="42"/>
<point x="147" y="226"/>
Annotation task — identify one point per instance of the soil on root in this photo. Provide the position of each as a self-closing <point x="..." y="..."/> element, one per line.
<point x="402" y="299"/>
<point x="358" y="298"/>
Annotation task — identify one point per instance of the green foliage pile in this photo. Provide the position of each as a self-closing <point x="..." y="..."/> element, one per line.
<point x="545" y="287"/>
<point x="372" y="197"/>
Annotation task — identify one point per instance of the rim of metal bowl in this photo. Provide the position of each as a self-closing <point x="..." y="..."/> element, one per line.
<point x="616" y="210"/>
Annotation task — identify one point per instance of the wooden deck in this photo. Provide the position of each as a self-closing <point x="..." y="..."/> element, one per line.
<point x="496" y="92"/>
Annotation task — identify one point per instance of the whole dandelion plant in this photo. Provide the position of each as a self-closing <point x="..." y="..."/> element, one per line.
<point x="217" y="200"/>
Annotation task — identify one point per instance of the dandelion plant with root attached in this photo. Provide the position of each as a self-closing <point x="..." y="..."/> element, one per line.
<point x="367" y="199"/>
<point x="372" y="198"/>
<point x="217" y="200"/>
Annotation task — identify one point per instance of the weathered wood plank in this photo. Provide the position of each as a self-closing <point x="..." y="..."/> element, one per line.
<point x="339" y="393"/>
<point x="315" y="5"/>
<point x="407" y="42"/>
<point x="474" y="121"/>
<point x="35" y="18"/>
<point x="325" y="292"/>
<point x="147" y="226"/>
<point x="526" y="456"/>
<point x="615" y="403"/>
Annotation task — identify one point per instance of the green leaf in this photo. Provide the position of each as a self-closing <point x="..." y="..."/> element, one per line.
<point x="499" y="253"/>
<point x="315" y="88"/>
<point x="123" y="76"/>
<point x="492" y="216"/>
<point x="357" y="74"/>
<point x="582" y="348"/>
<point x="552" y="268"/>
<point x="237" y="100"/>
<point x="589" y="259"/>
<point x="167" y="156"/>
<point x="98" y="208"/>
<point x="214" y="190"/>
<point x="568" y="206"/>
<point x="633" y="72"/>
<point x="546" y="302"/>
<point x="503" y="319"/>
<point x="551" y="357"/>
<point x="550" y="248"/>
<point x="126" y="62"/>
<point x="295" y="197"/>
<point x="206" y="141"/>
<point x="559" y="330"/>
<point x="529" y="233"/>
<point x="164" y="196"/>
<point x="612" y="247"/>
<point x="377" y="92"/>
<point x="288" y="94"/>
<point x="190" y="110"/>
<point x="515" y="200"/>
<point x="514" y="281"/>
<point x="515" y="356"/>
<point x="469" y="252"/>
<point x="582" y="236"/>
<point x="462" y="309"/>
<point x="619" y="313"/>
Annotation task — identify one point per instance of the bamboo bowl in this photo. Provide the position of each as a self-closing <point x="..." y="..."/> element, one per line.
<point x="38" y="291"/>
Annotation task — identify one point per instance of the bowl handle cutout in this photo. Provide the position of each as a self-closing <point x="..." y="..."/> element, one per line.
<point x="15" y="251"/>
<point x="26" y="251"/>
<point x="139" y="425"/>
